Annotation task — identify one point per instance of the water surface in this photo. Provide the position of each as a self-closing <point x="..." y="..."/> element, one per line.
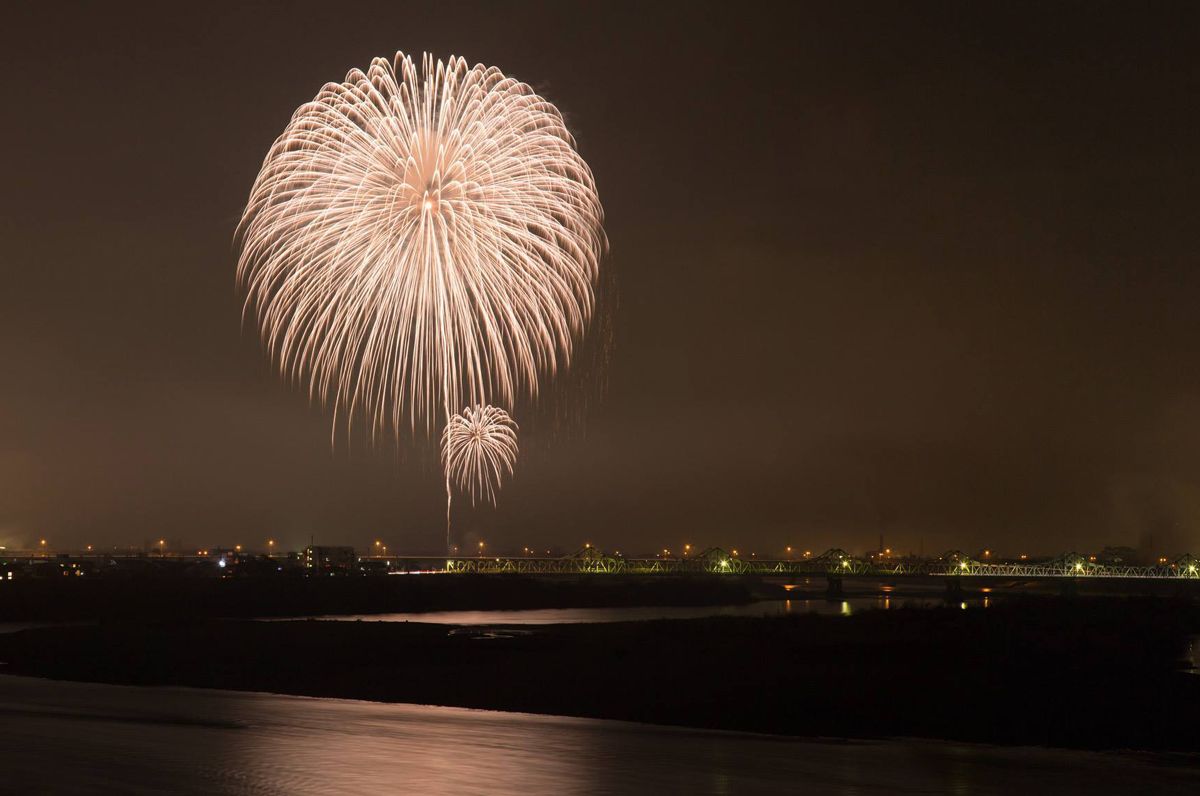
<point x="557" y="616"/>
<point x="61" y="737"/>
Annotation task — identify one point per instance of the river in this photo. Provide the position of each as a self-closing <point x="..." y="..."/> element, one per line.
<point x="558" y="616"/>
<point x="78" y="738"/>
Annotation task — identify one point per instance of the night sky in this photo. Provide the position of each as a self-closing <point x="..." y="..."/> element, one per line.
<point x="925" y="270"/>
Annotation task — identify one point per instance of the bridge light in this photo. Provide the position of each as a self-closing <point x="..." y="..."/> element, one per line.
<point x="962" y="565"/>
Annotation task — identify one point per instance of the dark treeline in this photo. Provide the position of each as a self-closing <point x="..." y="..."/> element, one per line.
<point x="1097" y="672"/>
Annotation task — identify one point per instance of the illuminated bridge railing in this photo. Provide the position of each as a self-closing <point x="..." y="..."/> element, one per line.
<point x="834" y="563"/>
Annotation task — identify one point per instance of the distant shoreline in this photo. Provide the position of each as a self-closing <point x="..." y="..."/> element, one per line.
<point x="1098" y="673"/>
<point x="141" y="598"/>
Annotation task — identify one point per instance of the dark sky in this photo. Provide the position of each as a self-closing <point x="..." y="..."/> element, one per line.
<point x="926" y="270"/>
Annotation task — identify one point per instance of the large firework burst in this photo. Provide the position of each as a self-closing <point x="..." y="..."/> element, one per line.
<point x="479" y="447"/>
<point x="420" y="240"/>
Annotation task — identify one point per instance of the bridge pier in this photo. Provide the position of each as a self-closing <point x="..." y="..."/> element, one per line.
<point x="954" y="589"/>
<point x="1068" y="587"/>
<point x="833" y="587"/>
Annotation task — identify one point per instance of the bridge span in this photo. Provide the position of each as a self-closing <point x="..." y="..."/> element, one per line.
<point x="832" y="563"/>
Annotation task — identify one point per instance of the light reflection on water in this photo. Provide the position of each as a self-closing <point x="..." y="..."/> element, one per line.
<point x="82" y="738"/>
<point x="555" y="616"/>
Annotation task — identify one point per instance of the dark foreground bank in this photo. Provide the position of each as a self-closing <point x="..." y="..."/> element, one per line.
<point x="1100" y="673"/>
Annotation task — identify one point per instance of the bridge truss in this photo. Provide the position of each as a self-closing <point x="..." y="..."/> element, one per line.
<point x="834" y="563"/>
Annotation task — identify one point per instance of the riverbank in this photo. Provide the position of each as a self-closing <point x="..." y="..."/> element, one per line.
<point x="173" y="599"/>
<point x="1100" y="673"/>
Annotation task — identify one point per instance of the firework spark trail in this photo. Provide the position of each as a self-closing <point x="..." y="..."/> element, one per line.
<point x="479" y="447"/>
<point x="418" y="240"/>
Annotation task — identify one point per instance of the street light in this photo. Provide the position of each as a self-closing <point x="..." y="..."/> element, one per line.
<point x="270" y="547"/>
<point x="162" y="547"/>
